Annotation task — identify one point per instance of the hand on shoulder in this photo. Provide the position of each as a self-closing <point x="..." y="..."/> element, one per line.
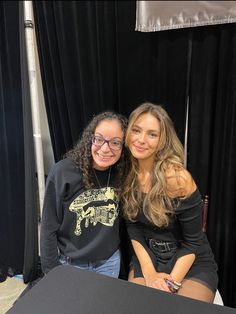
<point x="179" y="182"/>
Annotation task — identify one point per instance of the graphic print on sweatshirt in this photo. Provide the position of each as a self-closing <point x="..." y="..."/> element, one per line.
<point x="95" y="206"/>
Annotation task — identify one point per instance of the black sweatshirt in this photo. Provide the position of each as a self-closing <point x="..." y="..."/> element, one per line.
<point x="77" y="222"/>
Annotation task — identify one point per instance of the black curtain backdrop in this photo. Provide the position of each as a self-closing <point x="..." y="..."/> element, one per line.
<point x="92" y="60"/>
<point x="212" y="138"/>
<point x="12" y="220"/>
<point x="18" y="221"/>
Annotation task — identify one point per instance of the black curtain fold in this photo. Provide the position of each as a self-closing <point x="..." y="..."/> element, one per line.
<point x="80" y="75"/>
<point x="12" y="221"/>
<point x="92" y="59"/>
<point x="170" y="72"/>
<point x="18" y="221"/>
<point x="223" y="171"/>
<point x="212" y="138"/>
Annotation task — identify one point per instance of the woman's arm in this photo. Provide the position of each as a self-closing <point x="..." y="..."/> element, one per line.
<point x="181" y="267"/>
<point x="144" y="259"/>
<point x="152" y="278"/>
<point x="182" y="185"/>
<point x="48" y="232"/>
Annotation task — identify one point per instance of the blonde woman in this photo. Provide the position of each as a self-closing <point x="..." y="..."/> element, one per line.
<point x="163" y="206"/>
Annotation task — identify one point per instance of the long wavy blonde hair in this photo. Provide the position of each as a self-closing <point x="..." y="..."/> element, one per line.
<point x="157" y="205"/>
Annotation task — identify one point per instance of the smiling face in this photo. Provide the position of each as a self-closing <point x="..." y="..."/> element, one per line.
<point x="104" y="156"/>
<point x="143" y="138"/>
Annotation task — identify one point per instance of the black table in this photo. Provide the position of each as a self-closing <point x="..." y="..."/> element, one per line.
<point x="68" y="290"/>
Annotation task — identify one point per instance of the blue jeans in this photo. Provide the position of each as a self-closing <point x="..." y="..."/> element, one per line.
<point x="109" y="267"/>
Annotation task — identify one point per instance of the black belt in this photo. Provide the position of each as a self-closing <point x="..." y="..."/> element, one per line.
<point x="161" y="246"/>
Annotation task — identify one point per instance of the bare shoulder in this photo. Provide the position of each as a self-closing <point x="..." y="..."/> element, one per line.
<point x="179" y="182"/>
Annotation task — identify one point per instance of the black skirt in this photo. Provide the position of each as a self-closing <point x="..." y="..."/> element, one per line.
<point x="205" y="273"/>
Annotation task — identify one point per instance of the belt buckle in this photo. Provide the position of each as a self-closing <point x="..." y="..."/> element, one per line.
<point x="157" y="246"/>
<point x="165" y="246"/>
<point x="161" y="247"/>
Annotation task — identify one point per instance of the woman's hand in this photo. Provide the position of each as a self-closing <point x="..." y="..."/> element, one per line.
<point x="157" y="280"/>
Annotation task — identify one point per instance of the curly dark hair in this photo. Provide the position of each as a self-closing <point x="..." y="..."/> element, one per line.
<point x="81" y="152"/>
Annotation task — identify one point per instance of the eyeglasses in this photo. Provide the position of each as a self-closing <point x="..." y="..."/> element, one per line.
<point x="113" y="143"/>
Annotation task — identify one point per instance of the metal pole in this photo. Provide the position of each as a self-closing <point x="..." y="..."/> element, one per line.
<point x="188" y="72"/>
<point x="31" y="60"/>
<point x="186" y="135"/>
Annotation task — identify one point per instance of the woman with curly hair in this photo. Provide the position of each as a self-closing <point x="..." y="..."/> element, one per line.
<point x="163" y="207"/>
<point x="80" y="219"/>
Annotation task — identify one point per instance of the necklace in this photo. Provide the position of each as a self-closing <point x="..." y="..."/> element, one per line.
<point x="108" y="178"/>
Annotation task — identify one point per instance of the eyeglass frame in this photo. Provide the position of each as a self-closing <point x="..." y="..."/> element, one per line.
<point x="107" y="141"/>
